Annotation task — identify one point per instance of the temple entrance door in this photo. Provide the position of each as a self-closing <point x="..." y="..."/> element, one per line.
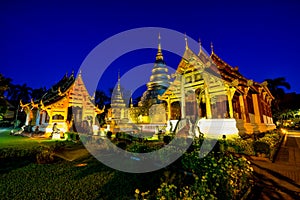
<point x="191" y="107"/>
<point x="201" y="105"/>
<point x="175" y="110"/>
<point x="77" y="113"/>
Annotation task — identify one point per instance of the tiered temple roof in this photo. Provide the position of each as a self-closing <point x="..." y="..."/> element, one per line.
<point x="117" y="100"/>
<point x="159" y="80"/>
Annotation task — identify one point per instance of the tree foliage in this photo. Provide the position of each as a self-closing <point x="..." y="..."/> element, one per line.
<point x="4" y="85"/>
<point x="277" y="87"/>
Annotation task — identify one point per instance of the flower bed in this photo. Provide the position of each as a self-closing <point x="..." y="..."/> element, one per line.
<point x="216" y="176"/>
<point x="265" y="146"/>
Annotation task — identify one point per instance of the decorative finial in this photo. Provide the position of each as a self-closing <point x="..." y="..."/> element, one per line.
<point x="212" y="48"/>
<point x="186" y="41"/>
<point x="200" y="46"/>
<point x="159" y="55"/>
<point x="79" y="73"/>
<point x="131" y="103"/>
<point x="159" y="45"/>
<point x="119" y="84"/>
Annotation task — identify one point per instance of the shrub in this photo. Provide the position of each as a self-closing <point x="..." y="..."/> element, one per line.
<point x="122" y="145"/>
<point x="167" y="139"/>
<point x="261" y="147"/>
<point x="223" y="177"/>
<point x="109" y="134"/>
<point x="243" y="146"/>
<point x="45" y="156"/>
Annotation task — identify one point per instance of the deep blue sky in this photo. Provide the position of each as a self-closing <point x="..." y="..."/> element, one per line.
<point x="42" y="40"/>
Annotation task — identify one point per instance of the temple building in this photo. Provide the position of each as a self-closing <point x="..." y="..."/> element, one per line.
<point x="159" y="80"/>
<point x="118" y="113"/>
<point x="215" y="97"/>
<point x="150" y="108"/>
<point x="66" y="103"/>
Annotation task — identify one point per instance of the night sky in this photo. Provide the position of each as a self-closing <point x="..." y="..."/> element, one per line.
<point x="42" y="40"/>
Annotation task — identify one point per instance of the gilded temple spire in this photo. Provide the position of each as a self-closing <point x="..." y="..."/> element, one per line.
<point x="119" y="85"/>
<point x="159" y="55"/>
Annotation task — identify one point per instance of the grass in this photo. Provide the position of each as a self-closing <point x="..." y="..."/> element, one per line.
<point x="85" y="178"/>
<point x="9" y="141"/>
<point x="82" y="179"/>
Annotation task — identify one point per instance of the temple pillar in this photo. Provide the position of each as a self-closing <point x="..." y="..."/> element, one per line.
<point x="207" y="103"/>
<point x="230" y="107"/>
<point x="43" y="117"/>
<point x="182" y="97"/>
<point x="230" y="94"/>
<point x="256" y="108"/>
<point x="246" y="105"/>
<point x="169" y="107"/>
<point x="27" y="118"/>
<point x="37" y="120"/>
<point x="50" y="117"/>
<point x="242" y="106"/>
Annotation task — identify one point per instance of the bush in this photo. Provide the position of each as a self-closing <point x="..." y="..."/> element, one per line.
<point x="261" y="147"/>
<point x="223" y="177"/>
<point x="45" y="156"/>
<point x="242" y="146"/>
<point x="122" y="145"/>
<point x="109" y="134"/>
<point x="167" y="139"/>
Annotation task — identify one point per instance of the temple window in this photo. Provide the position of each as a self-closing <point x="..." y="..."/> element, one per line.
<point x="57" y="117"/>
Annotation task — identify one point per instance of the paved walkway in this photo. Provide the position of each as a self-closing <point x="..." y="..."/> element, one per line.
<point x="281" y="179"/>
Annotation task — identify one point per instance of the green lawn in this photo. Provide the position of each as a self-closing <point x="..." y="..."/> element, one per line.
<point x="55" y="177"/>
<point x="18" y="141"/>
<point x="86" y="178"/>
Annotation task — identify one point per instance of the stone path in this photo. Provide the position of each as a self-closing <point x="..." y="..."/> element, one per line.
<point x="281" y="179"/>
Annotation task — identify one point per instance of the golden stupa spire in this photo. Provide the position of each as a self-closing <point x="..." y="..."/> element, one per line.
<point x="159" y="55"/>
<point x="119" y="84"/>
<point x="159" y="45"/>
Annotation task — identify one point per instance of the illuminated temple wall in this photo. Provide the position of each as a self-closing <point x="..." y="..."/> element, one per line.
<point x="66" y="104"/>
<point x="217" y="98"/>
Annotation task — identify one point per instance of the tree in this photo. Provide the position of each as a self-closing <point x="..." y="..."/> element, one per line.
<point x="276" y="87"/>
<point x="4" y="85"/>
<point x="38" y="93"/>
<point x="19" y="92"/>
<point x="101" y="100"/>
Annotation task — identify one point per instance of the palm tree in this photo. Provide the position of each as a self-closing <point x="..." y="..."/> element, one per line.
<point x="19" y="92"/>
<point x="277" y="86"/>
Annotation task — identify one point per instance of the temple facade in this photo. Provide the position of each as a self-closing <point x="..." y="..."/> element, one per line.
<point x="67" y="103"/>
<point x="216" y="98"/>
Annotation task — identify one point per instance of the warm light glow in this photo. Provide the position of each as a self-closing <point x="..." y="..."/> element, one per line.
<point x="81" y="165"/>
